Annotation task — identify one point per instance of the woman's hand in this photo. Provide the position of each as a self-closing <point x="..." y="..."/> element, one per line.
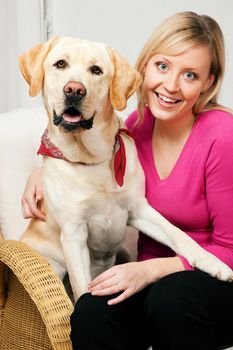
<point x="127" y="278"/>
<point x="132" y="277"/>
<point x="32" y="196"/>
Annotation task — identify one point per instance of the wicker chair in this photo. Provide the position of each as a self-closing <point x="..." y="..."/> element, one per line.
<point x="34" y="306"/>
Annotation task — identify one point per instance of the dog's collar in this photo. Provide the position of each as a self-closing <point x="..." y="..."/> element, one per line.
<point x="47" y="148"/>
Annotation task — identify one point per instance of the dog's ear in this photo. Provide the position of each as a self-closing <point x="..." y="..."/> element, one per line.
<point x="31" y="65"/>
<point x="124" y="83"/>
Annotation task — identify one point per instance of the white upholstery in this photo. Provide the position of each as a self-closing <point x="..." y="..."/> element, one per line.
<point x="20" y="132"/>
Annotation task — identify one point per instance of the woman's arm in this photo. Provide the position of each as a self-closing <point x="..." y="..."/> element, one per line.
<point x="132" y="277"/>
<point x="219" y="193"/>
<point x="32" y="196"/>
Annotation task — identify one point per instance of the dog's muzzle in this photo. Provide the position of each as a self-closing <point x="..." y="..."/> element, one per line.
<point x="72" y="118"/>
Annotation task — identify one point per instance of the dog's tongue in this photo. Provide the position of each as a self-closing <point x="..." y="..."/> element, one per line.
<point x="71" y="118"/>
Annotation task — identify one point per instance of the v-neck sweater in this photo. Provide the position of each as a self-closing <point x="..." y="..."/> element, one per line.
<point x="197" y="196"/>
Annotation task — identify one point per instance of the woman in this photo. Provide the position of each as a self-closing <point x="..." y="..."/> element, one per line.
<point x="184" y="140"/>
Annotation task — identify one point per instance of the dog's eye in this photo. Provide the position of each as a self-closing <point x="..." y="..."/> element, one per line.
<point x="60" y="64"/>
<point x="96" y="70"/>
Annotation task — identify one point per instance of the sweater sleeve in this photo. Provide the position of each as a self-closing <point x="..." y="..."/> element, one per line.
<point x="219" y="198"/>
<point x="219" y="194"/>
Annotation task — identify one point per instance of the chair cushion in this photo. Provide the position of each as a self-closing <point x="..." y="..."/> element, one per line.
<point x="20" y="133"/>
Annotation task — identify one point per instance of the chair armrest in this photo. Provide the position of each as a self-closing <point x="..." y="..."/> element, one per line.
<point x="2" y="285"/>
<point x="2" y="280"/>
<point x="44" y="287"/>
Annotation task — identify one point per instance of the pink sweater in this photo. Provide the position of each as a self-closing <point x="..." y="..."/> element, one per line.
<point x="197" y="196"/>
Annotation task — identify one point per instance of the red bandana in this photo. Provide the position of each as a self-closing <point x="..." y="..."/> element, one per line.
<point x="120" y="157"/>
<point x="47" y="148"/>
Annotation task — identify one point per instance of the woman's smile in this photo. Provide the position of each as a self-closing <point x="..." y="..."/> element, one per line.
<point x="172" y="84"/>
<point x="166" y="101"/>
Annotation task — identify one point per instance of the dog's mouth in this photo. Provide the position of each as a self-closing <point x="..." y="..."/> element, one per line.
<point x="72" y="119"/>
<point x="72" y="115"/>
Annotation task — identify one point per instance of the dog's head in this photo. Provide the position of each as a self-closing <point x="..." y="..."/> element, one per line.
<point x="78" y="79"/>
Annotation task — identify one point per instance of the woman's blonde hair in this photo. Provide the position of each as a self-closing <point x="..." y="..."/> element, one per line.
<point x="179" y="33"/>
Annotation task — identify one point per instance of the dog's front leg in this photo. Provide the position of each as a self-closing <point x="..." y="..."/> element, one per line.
<point x="77" y="257"/>
<point x="150" y="222"/>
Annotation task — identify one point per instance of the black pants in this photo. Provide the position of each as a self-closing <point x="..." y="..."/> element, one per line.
<point x="186" y="310"/>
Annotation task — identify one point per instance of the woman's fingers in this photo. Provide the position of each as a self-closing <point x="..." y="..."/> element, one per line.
<point x="103" y="289"/>
<point x="27" y="213"/>
<point x="126" y="294"/>
<point x="31" y="208"/>
<point x="102" y="278"/>
<point x="122" y="281"/>
<point x="33" y="196"/>
<point x="113" y="289"/>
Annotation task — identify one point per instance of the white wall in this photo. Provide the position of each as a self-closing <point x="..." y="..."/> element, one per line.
<point x="123" y="24"/>
<point x="20" y="28"/>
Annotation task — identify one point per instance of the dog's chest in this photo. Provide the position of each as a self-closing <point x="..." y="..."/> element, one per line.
<point x="106" y="222"/>
<point x="85" y="195"/>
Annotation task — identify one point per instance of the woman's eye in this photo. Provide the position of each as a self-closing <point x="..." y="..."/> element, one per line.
<point x="162" y="66"/>
<point x="60" y="64"/>
<point x="96" y="70"/>
<point x="190" y="75"/>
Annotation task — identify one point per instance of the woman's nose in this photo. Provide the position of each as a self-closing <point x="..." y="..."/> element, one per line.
<point x="172" y="83"/>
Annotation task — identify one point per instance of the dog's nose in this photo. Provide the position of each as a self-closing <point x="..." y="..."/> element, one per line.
<point x="74" y="89"/>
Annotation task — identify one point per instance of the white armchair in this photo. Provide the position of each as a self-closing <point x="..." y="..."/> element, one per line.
<point x="20" y="133"/>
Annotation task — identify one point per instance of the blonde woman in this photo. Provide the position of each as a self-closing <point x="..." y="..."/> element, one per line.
<point x="184" y="140"/>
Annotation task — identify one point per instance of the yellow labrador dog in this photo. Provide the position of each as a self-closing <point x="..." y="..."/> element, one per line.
<point x="93" y="181"/>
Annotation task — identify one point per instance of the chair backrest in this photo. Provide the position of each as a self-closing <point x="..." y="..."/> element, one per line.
<point x="20" y="133"/>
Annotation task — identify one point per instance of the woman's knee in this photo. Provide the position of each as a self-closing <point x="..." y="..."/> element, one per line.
<point x="88" y="310"/>
<point x="172" y="297"/>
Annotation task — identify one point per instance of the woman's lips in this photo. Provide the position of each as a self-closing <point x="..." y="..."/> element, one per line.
<point x="166" y="99"/>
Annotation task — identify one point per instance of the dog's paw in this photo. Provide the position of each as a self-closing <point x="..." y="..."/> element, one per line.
<point x="213" y="266"/>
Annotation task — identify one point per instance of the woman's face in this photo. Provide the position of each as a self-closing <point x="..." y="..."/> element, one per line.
<point x="172" y="84"/>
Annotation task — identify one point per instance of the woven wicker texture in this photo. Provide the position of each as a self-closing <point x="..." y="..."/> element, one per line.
<point x="47" y="294"/>
<point x="23" y="327"/>
<point x="2" y="284"/>
<point x="1" y="322"/>
<point x="2" y="296"/>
